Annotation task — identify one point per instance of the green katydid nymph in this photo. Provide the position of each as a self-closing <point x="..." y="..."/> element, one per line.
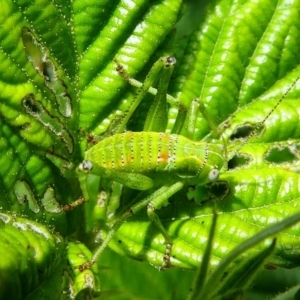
<point x="154" y="160"/>
<point x="146" y="160"/>
<point x="137" y="159"/>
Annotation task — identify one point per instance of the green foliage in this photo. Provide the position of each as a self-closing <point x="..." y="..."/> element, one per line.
<point x="60" y="87"/>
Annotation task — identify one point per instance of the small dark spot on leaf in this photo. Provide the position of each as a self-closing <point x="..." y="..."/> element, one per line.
<point x="217" y="190"/>
<point x="270" y="267"/>
<point x="28" y="102"/>
<point x="225" y="275"/>
<point x="40" y="272"/>
<point x="238" y="161"/>
<point x="244" y="131"/>
<point x="279" y="155"/>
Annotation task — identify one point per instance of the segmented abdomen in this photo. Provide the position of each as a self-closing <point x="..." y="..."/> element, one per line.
<point x="137" y="152"/>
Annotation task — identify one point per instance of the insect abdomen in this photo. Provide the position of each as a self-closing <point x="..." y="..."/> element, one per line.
<point x="137" y="152"/>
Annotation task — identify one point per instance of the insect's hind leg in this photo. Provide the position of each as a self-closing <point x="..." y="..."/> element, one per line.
<point x="157" y="199"/>
<point x="157" y="116"/>
<point x="153" y="217"/>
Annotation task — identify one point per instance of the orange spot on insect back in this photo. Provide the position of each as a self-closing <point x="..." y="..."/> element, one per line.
<point x="163" y="157"/>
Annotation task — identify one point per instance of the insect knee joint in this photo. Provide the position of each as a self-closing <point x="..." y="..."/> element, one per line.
<point x="167" y="257"/>
<point x="150" y="208"/>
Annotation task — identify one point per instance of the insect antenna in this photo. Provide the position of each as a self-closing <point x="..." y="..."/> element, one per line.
<point x="261" y="123"/>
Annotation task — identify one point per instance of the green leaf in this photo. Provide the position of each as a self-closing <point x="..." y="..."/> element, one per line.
<point x="31" y="250"/>
<point x="291" y="293"/>
<point x="58" y="82"/>
<point x="59" y="86"/>
<point x="160" y="285"/>
<point x="47" y="86"/>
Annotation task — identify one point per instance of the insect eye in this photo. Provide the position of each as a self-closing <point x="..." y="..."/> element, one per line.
<point x="86" y="166"/>
<point x="213" y="174"/>
<point x="171" y="61"/>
